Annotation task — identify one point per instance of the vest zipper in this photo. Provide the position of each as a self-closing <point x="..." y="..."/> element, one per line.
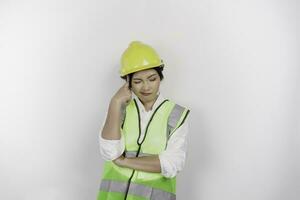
<point x="140" y="144"/>
<point x="129" y="181"/>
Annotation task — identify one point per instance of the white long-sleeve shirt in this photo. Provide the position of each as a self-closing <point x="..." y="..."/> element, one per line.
<point x="172" y="159"/>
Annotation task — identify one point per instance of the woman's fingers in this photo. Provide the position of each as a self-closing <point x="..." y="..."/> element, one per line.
<point x="126" y="85"/>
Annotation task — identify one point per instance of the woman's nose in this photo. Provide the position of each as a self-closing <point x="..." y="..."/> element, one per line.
<point x="146" y="86"/>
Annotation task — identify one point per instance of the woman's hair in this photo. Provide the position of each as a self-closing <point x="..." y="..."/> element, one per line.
<point x="159" y="70"/>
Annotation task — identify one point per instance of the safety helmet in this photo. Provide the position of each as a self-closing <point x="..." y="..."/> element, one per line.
<point x="139" y="56"/>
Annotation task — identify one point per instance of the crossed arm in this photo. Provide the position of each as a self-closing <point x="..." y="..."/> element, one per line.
<point x="146" y="163"/>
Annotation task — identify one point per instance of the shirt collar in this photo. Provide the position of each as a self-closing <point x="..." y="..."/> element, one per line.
<point x="158" y="101"/>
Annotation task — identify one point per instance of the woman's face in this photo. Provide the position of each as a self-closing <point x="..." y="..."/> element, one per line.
<point x="145" y="84"/>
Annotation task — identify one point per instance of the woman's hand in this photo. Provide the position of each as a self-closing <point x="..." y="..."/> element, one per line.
<point x="120" y="161"/>
<point x="123" y="95"/>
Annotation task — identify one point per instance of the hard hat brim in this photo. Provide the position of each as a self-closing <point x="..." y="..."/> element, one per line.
<point x="140" y="68"/>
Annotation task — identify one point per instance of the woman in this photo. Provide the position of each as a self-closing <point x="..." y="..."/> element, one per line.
<point x="143" y="139"/>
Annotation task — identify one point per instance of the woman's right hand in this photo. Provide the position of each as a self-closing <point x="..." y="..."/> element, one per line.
<point x="123" y="95"/>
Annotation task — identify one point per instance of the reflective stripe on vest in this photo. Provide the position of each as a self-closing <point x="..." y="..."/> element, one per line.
<point x="136" y="189"/>
<point x="174" y="118"/>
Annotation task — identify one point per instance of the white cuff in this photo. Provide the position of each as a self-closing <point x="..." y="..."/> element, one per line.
<point x="171" y="163"/>
<point x="111" y="149"/>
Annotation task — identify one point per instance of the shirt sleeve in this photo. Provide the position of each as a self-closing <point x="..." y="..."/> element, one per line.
<point x="172" y="159"/>
<point x="111" y="149"/>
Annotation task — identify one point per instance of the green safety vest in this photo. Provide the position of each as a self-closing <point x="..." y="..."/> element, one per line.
<point x="119" y="183"/>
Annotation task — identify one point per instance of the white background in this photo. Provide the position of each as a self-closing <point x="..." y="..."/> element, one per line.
<point x="234" y="63"/>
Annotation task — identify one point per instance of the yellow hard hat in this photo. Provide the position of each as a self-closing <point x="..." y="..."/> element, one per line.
<point x="138" y="56"/>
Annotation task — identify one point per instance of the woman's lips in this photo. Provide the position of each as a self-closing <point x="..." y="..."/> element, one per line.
<point x="145" y="94"/>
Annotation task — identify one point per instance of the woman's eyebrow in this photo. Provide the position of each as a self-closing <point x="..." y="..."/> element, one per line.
<point x="147" y="77"/>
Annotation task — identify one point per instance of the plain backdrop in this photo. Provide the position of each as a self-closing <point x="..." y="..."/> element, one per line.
<point x="234" y="63"/>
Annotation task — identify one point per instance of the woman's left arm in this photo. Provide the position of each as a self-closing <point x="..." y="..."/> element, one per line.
<point x="145" y="163"/>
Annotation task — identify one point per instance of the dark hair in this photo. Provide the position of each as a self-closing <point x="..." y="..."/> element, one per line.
<point x="159" y="70"/>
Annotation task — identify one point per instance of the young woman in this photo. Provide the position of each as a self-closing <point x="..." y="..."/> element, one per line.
<point x="143" y="140"/>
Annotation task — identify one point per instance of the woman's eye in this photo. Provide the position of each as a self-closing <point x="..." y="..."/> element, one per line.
<point x="152" y="79"/>
<point x="137" y="82"/>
